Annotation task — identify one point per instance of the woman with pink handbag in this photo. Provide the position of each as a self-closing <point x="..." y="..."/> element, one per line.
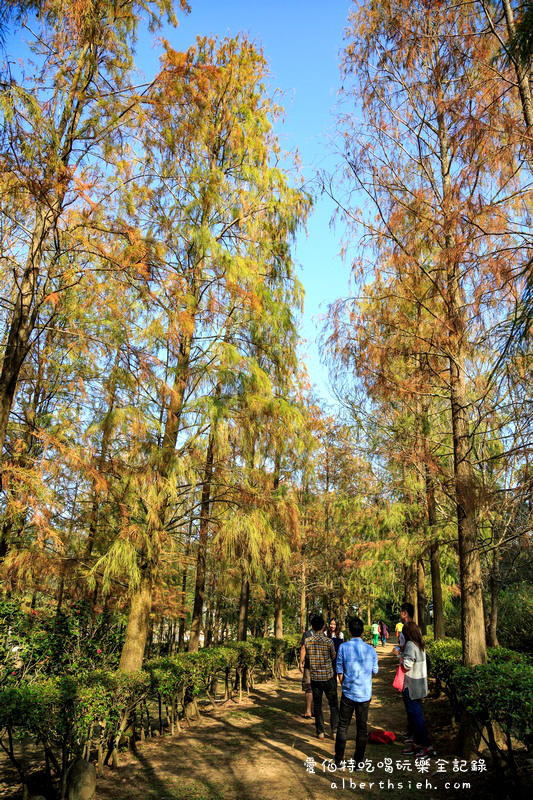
<point x="412" y="672"/>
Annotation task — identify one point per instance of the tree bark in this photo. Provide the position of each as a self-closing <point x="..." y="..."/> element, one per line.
<point x="411" y="587"/>
<point x="303" y="595"/>
<point x="434" y="555"/>
<point x="242" y="629"/>
<point x="138" y="625"/>
<point x="472" y="622"/>
<point x="421" y="596"/>
<point x="494" y="586"/>
<point x="522" y="72"/>
<point x="278" y="612"/>
<point x="199" y="589"/>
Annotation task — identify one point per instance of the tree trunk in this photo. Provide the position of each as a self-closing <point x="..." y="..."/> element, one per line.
<point x="411" y="587"/>
<point x="472" y="622"/>
<point x="181" y="628"/>
<point x="303" y="596"/>
<point x="244" y="599"/>
<point x="434" y="555"/>
<point x="199" y="589"/>
<point x="138" y="625"/>
<point x="107" y="429"/>
<point x="278" y="612"/>
<point x="522" y="71"/>
<point x="494" y="585"/>
<point x="421" y="596"/>
<point x="473" y="628"/>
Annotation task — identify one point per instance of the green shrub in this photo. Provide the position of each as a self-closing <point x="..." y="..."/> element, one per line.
<point x="515" y="617"/>
<point x="498" y="692"/>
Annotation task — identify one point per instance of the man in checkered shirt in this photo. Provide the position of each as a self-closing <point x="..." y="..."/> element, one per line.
<point x="321" y="652"/>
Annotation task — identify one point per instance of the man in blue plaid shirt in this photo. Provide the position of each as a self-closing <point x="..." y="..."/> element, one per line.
<point x="321" y="653"/>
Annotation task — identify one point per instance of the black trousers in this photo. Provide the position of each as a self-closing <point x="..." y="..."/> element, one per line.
<point x="328" y="687"/>
<point x="346" y="711"/>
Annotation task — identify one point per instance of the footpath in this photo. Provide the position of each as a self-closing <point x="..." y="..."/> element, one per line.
<point x="262" y="749"/>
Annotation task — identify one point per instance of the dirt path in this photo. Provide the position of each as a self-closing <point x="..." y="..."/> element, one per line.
<point x="257" y="751"/>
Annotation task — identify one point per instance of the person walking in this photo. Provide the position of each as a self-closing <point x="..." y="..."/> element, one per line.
<point x="375" y="633"/>
<point x="413" y="660"/>
<point x="356" y="663"/>
<point x="306" y="675"/>
<point x="321" y="653"/>
<point x="383" y="632"/>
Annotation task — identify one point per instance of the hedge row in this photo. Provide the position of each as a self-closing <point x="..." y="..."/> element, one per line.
<point x="498" y="695"/>
<point x="92" y="712"/>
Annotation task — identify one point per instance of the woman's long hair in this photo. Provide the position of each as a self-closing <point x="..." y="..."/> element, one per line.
<point x="337" y="628"/>
<point x="412" y="633"/>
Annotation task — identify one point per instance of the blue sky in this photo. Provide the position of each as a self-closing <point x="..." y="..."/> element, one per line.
<point x="302" y="40"/>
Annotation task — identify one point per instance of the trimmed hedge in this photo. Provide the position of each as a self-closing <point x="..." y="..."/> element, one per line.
<point x="498" y="695"/>
<point x="75" y="715"/>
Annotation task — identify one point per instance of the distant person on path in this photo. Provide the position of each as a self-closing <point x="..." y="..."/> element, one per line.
<point x="335" y="633"/>
<point x="383" y="632"/>
<point x="356" y="662"/>
<point x="375" y="633"/>
<point x="321" y="653"/>
<point x="407" y="613"/>
<point x="306" y="675"/>
<point x="413" y="659"/>
<point x="398" y="629"/>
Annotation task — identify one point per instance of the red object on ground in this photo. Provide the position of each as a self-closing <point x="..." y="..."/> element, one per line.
<point x="381" y="737"/>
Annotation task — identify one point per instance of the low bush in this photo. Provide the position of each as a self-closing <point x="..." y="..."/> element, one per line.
<point x="498" y="695"/>
<point x="515" y="617"/>
<point x="73" y="715"/>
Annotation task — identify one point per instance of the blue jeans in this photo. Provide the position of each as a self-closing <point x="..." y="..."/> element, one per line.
<point x="416" y="724"/>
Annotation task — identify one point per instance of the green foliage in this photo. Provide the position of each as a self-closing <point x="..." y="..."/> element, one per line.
<point x="499" y="692"/>
<point x="34" y="643"/>
<point x="515" y="617"/>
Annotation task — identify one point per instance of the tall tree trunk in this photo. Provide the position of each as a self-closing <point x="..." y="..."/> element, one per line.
<point x="472" y="622"/>
<point x="434" y="555"/>
<point x="522" y="71"/>
<point x="244" y="599"/>
<point x="342" y="610"/>
<point x="135" y="633"/>
<point x="183" y="604"/>
<point x="138" y="625"/>
<point x="303" y="595"/>
<point x="199" y="589"/>
<point x="473" y="627"/>
<point x="216" y="623"/>
<point x="107" y="429"/>
<point x="494" y="586"/>
<point x="210" y="612"/>
<point x="278" y="612"/>
<point x="411" y="587"/>
<point x="421" y="596"/>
